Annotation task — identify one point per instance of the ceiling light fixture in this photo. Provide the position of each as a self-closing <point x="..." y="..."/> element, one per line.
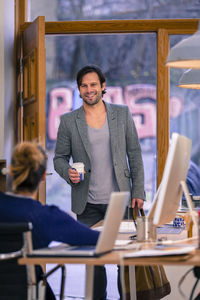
<point x="186" y="53"/>
<point x="190" y="79"/>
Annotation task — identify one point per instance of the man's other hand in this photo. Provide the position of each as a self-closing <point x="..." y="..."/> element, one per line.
<point x="140" y="202"/>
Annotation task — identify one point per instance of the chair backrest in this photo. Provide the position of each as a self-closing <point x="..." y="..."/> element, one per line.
<point x="13" y="277"/>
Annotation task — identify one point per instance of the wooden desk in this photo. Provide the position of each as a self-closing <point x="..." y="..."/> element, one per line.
<point x="115" y="257"/>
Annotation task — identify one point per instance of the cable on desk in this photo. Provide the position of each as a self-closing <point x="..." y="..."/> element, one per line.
<point x="181" y="281"/>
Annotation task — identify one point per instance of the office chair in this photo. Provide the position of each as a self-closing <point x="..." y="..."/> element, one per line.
<point x="19" y="282"/>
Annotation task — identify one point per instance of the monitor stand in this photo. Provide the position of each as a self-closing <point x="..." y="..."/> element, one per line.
<point x="189" y="203"/>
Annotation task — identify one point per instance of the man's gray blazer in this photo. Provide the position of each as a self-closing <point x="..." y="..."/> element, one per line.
<point x="72" y="141"/>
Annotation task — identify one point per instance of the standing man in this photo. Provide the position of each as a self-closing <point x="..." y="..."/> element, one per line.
<point x="102" y="136"/>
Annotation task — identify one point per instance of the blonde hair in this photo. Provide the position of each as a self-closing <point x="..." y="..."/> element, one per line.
<point x="27" y="166"/>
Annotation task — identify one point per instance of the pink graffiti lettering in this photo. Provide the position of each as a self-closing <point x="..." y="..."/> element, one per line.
<point x="114" y="95"/>
<point x="175" y="107"/>
<point x="60" y="103"/>
<point x="144" y="116"/>
<point x="141" y="99"/>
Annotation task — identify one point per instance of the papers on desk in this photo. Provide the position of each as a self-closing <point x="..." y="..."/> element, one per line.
<point x="125" y="227"/>
<point x="161" y="252"/>
<point x="122" y="242"/>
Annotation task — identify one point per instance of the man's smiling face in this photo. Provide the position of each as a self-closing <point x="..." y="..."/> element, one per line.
<point x="91" y="89"/>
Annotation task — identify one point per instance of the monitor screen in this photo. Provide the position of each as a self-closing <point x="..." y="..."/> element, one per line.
<point x="167" y="199"/>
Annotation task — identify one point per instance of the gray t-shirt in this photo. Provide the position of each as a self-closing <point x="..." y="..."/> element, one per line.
<point x="102" y="179"/>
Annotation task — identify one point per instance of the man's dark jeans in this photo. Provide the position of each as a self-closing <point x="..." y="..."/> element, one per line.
<point x="92" y="214"/>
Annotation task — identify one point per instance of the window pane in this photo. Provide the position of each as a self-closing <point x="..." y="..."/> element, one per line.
<point x="129" y="64"/>
<point x="185" y="119"/>
<point x="113" y="10"/>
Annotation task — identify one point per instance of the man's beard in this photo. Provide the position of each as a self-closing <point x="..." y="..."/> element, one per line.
<point x="94" y="101"/>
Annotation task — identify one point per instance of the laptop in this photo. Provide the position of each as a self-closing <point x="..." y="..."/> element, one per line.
<point x="114" y="215"/>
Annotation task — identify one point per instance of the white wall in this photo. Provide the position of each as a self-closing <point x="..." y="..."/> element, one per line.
<point x="6" y="78"/>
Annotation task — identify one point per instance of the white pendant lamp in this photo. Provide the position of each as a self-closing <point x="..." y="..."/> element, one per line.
<point x="190" y="79"/>
<point x="186" y="54"/>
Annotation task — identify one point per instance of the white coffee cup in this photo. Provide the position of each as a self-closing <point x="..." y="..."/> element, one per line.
<point x="79" y="166"/>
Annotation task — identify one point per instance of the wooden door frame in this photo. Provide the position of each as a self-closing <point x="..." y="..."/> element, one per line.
<point x="21" y="10"/>
<point x="162" y="28"/>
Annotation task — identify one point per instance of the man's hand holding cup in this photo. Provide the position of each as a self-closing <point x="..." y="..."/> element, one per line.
<point x="76" y="172"/>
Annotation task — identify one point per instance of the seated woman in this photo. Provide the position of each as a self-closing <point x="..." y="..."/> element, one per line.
<point x="28" y="169"/>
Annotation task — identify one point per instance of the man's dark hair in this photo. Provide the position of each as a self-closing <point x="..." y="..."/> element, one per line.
<point x="90" y="69"/>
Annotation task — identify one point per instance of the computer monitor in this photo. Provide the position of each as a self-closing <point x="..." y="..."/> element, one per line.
<point x="167" y="199"/>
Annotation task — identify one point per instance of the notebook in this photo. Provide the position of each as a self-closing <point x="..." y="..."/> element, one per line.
<point x="114" y="214"/>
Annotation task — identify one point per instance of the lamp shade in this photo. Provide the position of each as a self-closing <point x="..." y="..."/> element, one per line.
<point x="186" y="53"/>
<point x="190" y="79"/>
